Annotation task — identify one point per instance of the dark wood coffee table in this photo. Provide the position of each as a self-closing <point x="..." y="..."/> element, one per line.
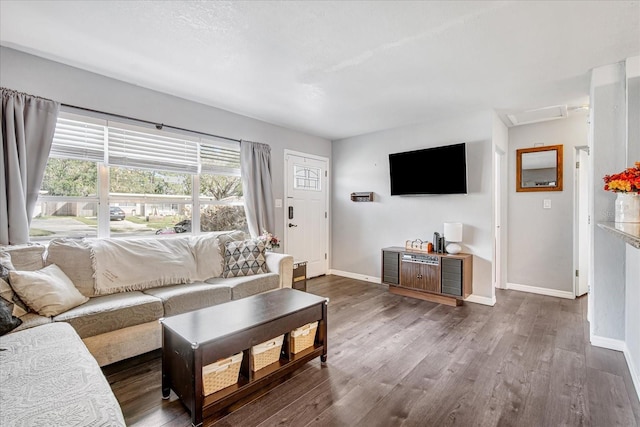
<point x="198" y="338"/>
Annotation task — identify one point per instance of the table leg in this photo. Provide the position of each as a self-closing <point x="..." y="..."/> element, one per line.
<point x="166" y="374"/>
<point x="323" y="332"/>
<point x="198" y="387"/>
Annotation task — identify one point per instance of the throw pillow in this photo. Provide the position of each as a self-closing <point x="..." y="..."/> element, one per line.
<point x="208" y="255"/>
<point x="48" y="291"/>
<point x="8" y="322"/>
<point x="244" y="258"/>
<point x="230" y="236"/>
<point x="18" y="307"/>
<point x="73" y="256"/>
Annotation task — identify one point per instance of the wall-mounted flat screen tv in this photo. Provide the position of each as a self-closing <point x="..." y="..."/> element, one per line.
<point x="437" y="170"/>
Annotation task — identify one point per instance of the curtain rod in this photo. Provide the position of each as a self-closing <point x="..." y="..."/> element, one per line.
<point x="158" y="126"/>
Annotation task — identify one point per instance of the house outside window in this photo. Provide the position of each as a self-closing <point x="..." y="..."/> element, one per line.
<point x="109" y="179"/>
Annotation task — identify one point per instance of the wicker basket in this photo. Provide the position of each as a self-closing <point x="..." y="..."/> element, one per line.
<point x="303" y="337"/>
<point x="221" y="374"/>
<point x="266" y="353"/>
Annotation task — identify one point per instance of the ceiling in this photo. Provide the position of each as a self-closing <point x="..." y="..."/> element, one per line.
<point x="337" y="69"/>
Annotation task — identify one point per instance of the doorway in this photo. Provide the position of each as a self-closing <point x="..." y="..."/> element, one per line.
<point x="582" y="239"/>
<point x="306" y="229"/>
<point x="498" y="188"/>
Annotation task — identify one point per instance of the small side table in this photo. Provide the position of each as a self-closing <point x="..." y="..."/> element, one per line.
<point x="299" y="276"/>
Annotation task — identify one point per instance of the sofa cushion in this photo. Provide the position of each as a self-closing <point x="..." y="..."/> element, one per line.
<point x="31" y="320"/>
<point x="49" y="378"/>
<point x="18" y="307"/>
<point x="179" y="299"/>
<point x="110" y="312"/>
<point x="242" y="287"/>
<point x="48" y="291"/>
<point x="206" y="250"/>
<point x="244" y="258"/>
<point x="29" y="256"/>
<point x="73" y="256"/>
<point x="139" y="263"/>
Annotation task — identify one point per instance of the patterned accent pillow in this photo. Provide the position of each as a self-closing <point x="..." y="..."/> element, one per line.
<point x="244" y="258"/>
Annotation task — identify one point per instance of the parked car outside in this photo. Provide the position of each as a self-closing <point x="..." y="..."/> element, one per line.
<point x="115" y="213"/>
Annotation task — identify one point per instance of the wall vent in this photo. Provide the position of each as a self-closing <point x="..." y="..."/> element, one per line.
<point x="538" y="115"/>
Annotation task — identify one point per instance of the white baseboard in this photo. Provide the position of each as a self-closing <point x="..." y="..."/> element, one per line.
<point x="633" y="370"/>
<point x="481" y="300"/>
<point x="619" y="345"/>
<point x="355" y="276"/>
<point x="471" y="298"/>
<point x="610" y="343"/>
<point x="541" y="291"/>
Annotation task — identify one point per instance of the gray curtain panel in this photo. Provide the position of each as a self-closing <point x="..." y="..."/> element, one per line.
<point x="255" y="167"/>
<point x="28" y="124"/>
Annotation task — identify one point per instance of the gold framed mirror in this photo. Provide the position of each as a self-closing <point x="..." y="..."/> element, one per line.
<point x="539" y="168"/>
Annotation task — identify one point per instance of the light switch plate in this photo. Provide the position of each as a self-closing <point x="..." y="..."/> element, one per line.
<point x="278" y="203"/>
<point x="546" y="203"/>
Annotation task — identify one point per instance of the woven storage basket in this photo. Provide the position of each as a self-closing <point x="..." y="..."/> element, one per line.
<point x="303" y="337"/>
<point x="266" y="353"/>
<point x="221" y="374"/>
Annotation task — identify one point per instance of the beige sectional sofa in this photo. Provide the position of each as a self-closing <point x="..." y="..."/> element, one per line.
<point x="124" y="323"/>
<point x="50" y="366"/>
<point x="49" y="378"/>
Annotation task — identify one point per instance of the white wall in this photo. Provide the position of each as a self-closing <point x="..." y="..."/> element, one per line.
<point x="501" y="146"/>
<point x="361" y="230"/>
<point x="541" y="240"/>
<point x="632" y="314"/>
<point x="632" y="273"/>
<point x="633" y="105"/>
<point x="69" y="85"/>
<point x="608" y="152"/>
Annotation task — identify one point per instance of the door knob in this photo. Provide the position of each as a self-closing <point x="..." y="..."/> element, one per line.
<point x="292" y="225"/>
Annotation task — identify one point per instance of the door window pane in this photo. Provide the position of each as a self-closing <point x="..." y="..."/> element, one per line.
<point x="306" y="178"/>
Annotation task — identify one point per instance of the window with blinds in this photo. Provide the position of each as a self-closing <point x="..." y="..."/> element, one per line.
<point x="78" y="139"/>
<point x="150" y="180"/>
<point x="81" y="138"/>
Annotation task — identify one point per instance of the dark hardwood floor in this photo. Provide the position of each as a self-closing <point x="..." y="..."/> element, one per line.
<point x="395" y="360"/>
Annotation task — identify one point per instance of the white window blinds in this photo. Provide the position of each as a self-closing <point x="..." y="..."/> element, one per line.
<point x="143" y="150"/>
<point x="216" y="157"/>
<point x="77" y="137"/>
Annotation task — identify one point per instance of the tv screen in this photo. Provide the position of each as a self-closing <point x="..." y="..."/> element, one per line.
<point x="437" y="170"/>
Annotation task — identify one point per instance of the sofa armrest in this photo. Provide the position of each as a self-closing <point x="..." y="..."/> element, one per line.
<point x="281" y="264"/>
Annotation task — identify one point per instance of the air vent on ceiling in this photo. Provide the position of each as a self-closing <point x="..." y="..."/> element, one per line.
<point x="539" y="115"/>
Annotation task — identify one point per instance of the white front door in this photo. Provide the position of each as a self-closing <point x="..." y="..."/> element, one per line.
<point x="306" y="216"/>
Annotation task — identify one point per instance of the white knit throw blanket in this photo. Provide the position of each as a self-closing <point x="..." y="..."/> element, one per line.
<point x="136" y="264"/>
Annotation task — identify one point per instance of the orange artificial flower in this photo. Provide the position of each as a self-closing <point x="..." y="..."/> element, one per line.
<point x="627" y="181"/>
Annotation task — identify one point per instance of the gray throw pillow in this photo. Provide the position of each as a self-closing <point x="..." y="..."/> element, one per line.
<point x="18" y="307"/>
<point x="8" y="322"/>
<point x="244" y="258"/>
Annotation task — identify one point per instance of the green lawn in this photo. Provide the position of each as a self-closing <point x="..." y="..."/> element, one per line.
<point x="155" y="222"/>
<point x="37" y="232"/>
<point x="85" y="220"/>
